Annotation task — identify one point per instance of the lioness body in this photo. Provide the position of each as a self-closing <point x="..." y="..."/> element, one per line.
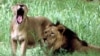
<point x="31" y="26"/>
<point x="26" y="30"/>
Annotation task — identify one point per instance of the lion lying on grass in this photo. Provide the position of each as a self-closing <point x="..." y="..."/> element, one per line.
<point x="58" y="36"/>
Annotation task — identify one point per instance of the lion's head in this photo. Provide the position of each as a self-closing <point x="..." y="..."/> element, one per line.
<point x="53" y="36"/>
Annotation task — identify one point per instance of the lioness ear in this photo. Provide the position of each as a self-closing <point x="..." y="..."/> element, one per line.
<point x="13" y="8"/>
<point x="61" y="28"/>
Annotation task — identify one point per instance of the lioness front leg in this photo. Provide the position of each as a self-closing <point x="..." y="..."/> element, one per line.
<point x="23" y="47"/>
<point x="14" y="46"/>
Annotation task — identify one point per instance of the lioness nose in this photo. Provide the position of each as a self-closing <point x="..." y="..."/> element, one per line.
<point x="21" y="5"/>
<point x="20" y="11"/>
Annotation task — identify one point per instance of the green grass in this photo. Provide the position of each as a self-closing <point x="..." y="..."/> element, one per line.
<point x="80" y="16"/>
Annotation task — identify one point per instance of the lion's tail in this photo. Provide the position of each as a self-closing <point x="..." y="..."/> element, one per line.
<point x="89" y="48"/>
<point x="94" y="48"/>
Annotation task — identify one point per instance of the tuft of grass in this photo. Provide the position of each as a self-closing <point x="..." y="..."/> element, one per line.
<point x="80" y="16"/>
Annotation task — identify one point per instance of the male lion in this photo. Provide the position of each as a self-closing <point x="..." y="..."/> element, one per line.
<point x="58" y="36"/>
<point x="25" y="30"/>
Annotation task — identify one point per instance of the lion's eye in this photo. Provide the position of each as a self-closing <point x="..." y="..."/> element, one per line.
<point x="45" y="32"/>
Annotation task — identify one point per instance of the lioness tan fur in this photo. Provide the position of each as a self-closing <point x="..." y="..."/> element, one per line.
<point x="25" y="30"/>
<point x="58" y="36"/>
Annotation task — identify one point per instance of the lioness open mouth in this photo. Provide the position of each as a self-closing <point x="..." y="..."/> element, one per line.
<point x="20" y="14"/>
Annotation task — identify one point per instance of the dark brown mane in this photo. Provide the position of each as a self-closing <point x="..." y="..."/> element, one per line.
<point x="70" y="36"/>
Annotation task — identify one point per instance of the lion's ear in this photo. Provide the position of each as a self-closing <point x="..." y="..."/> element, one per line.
<point x="61" y="28"/>
<point x="57" y="23"/>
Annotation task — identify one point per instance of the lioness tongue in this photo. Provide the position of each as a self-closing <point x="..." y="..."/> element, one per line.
<point x="19" y="19"/>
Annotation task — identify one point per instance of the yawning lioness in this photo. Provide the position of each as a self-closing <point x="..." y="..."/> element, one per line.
<point x="25" y="30"/>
